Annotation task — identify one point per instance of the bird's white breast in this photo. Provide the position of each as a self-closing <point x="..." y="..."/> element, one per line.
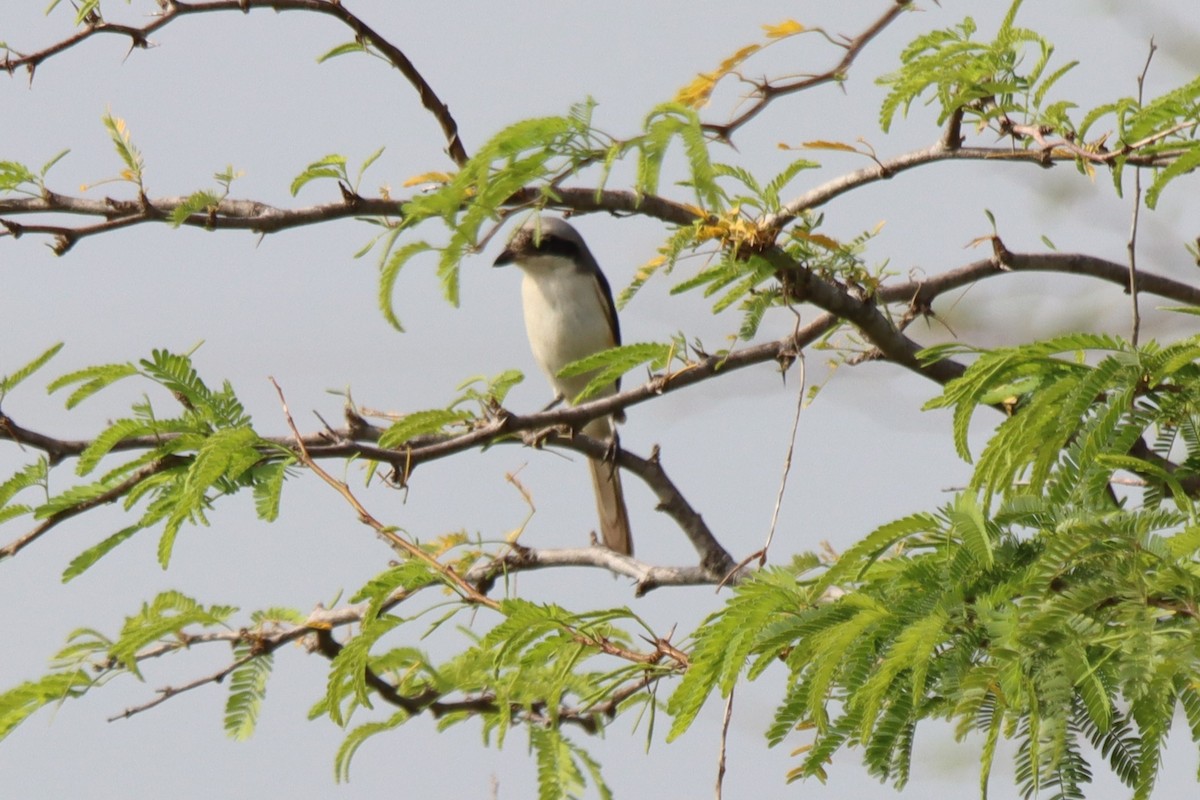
<point x="565" y="318"/>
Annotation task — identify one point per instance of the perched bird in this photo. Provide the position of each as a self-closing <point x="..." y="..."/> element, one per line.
<point x="569" y="315"/>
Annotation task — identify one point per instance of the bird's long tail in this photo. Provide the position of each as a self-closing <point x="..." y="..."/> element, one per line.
<point x="610" y="497"/>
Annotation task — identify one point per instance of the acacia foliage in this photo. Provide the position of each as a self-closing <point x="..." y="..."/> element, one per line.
<point x="1044" y="603"/>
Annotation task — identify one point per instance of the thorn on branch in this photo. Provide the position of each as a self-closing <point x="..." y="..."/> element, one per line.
<point x="1000" y="255"/>
<point x="62" y="243"/>
<point x="349" y="196"/>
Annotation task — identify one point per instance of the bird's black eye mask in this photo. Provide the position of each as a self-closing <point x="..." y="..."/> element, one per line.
<point x="551" y="245"/>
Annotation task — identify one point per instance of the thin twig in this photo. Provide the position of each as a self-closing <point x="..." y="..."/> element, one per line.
<point x="167" y="692"/>
<point x="725" y="720"/>
<point x="1131" y="245"/>
<point x="402" y="545"/>
<point x="787" y="468"/>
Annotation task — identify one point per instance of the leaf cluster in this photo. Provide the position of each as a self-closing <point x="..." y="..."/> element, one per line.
<point x="207" y="449"/>
<point x="1067" y="619"/>
<point x="983" y="82"/>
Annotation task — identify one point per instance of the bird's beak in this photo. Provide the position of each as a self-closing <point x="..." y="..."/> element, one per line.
<point x="506" y="257"/>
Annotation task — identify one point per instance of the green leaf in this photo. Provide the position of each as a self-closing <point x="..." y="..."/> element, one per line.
<point x="558" y="774"/>
<point x="268" y="488"/>
<point x="91" y="380"/>
<point x="421" y="423"/>
<point x="204" y="201"/>
<point x="371" y="159"/>
<point x="163" y="619"/>
<point x="608" y="365"/>
<point x="388" y="272"/>
<point x="247" y="689"/>
<point x="30" y="476"/>
<point x="341" y="50"/>
<point x="19" y="703"/>
<point x="355" y="740"/>
<point x="12" y="380"/>
<point x="82" y="562"/>
<point x="14" y="175"/>
<point x="332" y="166"/>
<point x="1183" y="164"/>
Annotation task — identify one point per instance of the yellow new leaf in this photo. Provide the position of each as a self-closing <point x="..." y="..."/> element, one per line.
<point x="645" y="271"/>
<point x="428" y="177"/>
<point x="789" y="27"/>
<point x="731" y="63"/>
<point x="821" y="144"/>
<point x="820" y="239"/>
<point x="697" y="93"/>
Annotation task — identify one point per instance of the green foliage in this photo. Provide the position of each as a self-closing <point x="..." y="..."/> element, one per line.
<point x="663" y="125"/>
<point x="1082" y="402"/>
<point x="531" y="666"/>
<point x="205" y="201"/>
<point x="982" y="81"/>
<point x="19" y="703"/>
<point x="1047" y="603"/>
<point x="161" y="620"/>
<point x="533" y="152"/>
<point x="247" y="689"/>
<point x="130" y="156"/>
<point x="1065" y="618"/>
<point x="607" y="366"/>
<point x="11" y="381"/>
<point x="1066" y="627"/>
<point x="333" y="167"/>
<point x="207" y="450"/>
<point x="18" y="178"/>
<point x="561" y="766"/>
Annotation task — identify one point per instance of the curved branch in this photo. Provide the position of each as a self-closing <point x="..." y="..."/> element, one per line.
<point x="922" y="292"/>
<point x="139" y="37"/>
<point x="885" y="170"/>
<point x="765" y="92"/>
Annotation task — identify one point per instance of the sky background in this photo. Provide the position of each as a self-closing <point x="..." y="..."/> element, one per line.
<point x="226" y="89"/>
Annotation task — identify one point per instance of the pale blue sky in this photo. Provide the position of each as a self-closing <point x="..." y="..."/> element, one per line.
<point x="227" y="88"/>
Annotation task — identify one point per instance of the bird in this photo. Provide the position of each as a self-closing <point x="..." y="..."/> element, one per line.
<point x="569" y="315"/>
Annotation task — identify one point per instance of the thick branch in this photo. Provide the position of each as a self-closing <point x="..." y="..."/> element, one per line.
<point x="357" y="441"/>
<point x="647" y="577"/>
<point x="922" y="292"/>
<point x="258" y="217"/>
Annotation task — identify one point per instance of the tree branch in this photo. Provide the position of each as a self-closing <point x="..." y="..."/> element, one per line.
<point x="262" y="218"/>
<point x="139" y="37"/>
<point x="765" y="92"/>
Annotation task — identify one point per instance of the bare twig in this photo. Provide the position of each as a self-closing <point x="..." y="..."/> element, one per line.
<point x="1131" y="245"/>
<point x="726" y="718"/>
<point x="451" y="578"/>
<point x="885" y="170"/>
<point x="787" y="468"/>
<point x="167" y="692"/>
